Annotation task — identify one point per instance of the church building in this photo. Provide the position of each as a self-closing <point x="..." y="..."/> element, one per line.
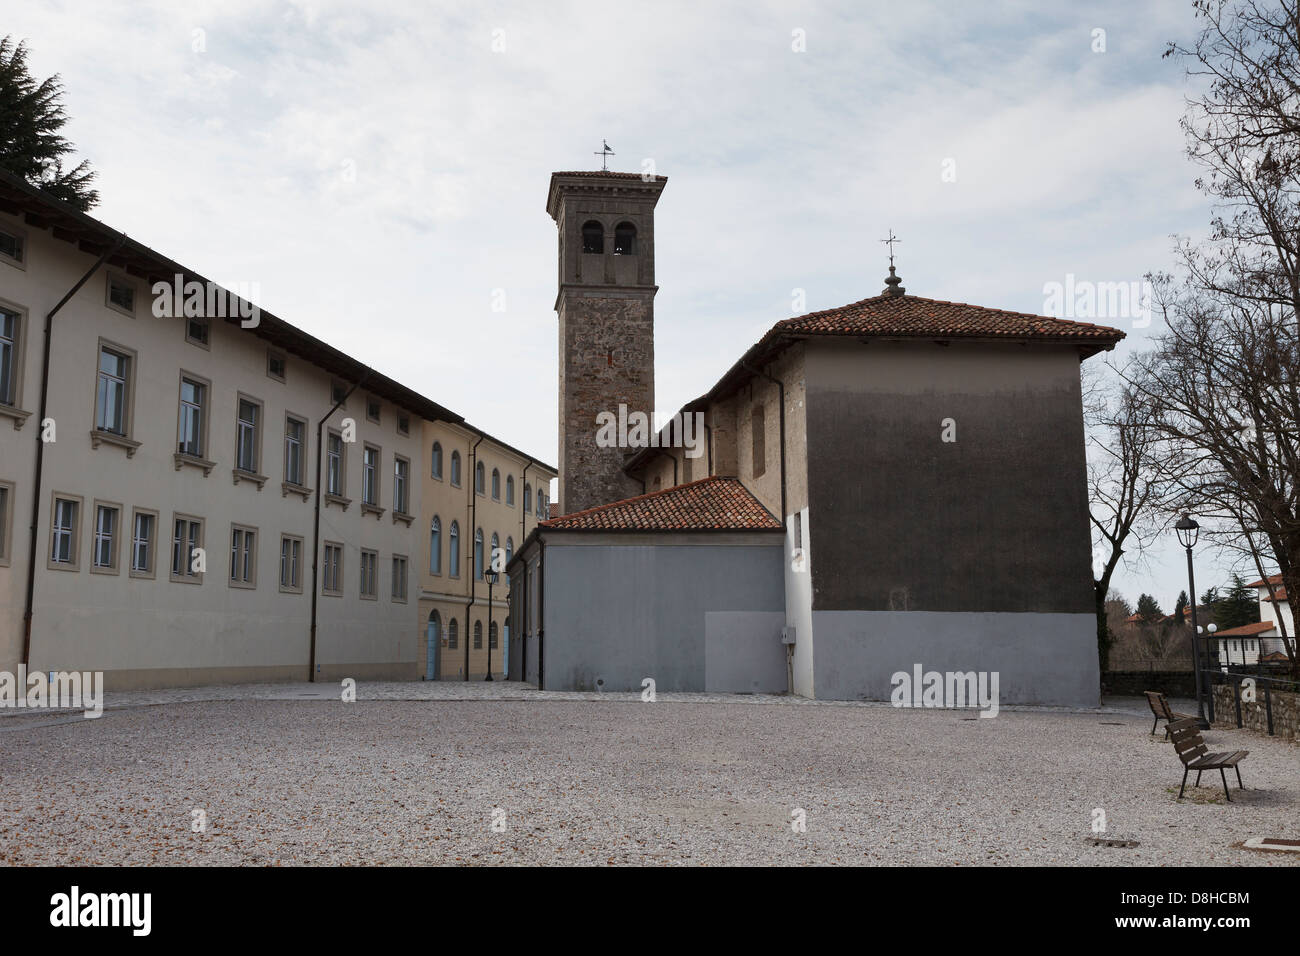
<point x="897" y="482"/>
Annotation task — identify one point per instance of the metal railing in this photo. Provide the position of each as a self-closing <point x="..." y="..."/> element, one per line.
<point x="1233" y="677"/>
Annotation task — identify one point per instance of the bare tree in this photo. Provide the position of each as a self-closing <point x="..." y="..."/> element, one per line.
<point x="1223" y="382"/>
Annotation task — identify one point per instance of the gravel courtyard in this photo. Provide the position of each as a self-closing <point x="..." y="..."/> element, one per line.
<point x="285" y="779"/>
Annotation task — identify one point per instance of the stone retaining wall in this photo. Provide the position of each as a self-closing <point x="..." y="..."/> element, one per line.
<point x="1286" y="712"/>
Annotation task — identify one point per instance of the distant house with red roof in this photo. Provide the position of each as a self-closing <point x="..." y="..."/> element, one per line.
<point x="1261" y="642"/>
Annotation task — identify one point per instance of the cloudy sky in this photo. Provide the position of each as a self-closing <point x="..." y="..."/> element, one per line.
<point x="379" y="169"/>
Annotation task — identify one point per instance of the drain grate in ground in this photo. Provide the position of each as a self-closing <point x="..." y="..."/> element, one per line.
<point x="1276" y="844"/>
<point x="1109" y="723"/>
<point x="1112" y="841"/>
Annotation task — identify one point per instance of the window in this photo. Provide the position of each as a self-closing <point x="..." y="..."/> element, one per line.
<point x="453" y="550"/>
<point x="435" y="546"/>
<point x="404" y="424"/>
<point x="243" y="557"/>
<point x="478" y="635"/>
<point x="543" y="511"/>
<point x="112" y="393"/>
<point x="334" y="465"/>
<point x="528" y="497"/>
<point x="192" y="436"/>
<point x="510" y="549"/>
<point x="368" y="560"/>
<point x="248" y="435"/>
<point x="478" y="554"/>
<point x="372" y="410"/>
<point x="401" y="485"/>
<point x="275" y="365"/>
<point x="198" y="332"/>
<point x="338" y="393"/>
<point x="103" y="558"/>
<point x="624" y="239"/>
<point x="65" y="533"/>
<point x="496" y="548"/>
<point x="479" y="483"/>
<point x="13" y="248"/>
<point x="295" y="431"/>
<point x="10" y="364"/>
<point x="435" y="461"/>
<point x="6" y="520"/>
<point x="492" y="636"/>
<point x="593" y="237"/>
<point x="187" y="549"/>
<point x="332" y="579"/>
<point x="291" y="563"/>
<point x="121" y="295"/>
<point x="758" y="438"/>
<point x="455" y="469"/>
<point x="143" y="529"/>
<point x="399" y="578"/>
<point x="370" y="475"/>
<point x="451" y="634"/>
<point x="496" y="485"/>
<point x="510" y="490"/>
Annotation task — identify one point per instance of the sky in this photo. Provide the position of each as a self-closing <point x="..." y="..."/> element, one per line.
<point x="378" y="171"/>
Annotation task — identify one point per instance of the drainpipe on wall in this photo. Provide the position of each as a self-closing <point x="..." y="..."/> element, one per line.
<point x="541" y="613"/>
<point x="473" y="530"/>
<point x="30" y="603"/>
<point x="781" y="395"/>
<point x="315" y="535"/>
<point x="523" y="512"/>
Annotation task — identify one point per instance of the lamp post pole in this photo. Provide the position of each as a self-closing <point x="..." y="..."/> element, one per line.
<point x="491" y="577"/>
<point x="1188" y="531"/>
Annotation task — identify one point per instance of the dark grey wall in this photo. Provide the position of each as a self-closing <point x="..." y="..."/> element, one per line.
<point x="900" y="520"/>
<point x="619" y="613"/>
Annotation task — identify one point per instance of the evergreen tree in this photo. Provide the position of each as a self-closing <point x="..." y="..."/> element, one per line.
<point x="31" y="142"/>
<point x="1238" y="606"/>
<point x="1180" y="609"/>
<point x="1148" y="609"/>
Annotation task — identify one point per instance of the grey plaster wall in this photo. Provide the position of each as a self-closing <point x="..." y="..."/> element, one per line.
<point x="617" y="613"/>
<point x="1048" y="659"/>
<point x="743" y="652"/>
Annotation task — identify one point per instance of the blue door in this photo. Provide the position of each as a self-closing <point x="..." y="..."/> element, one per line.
<point x="431" y="638"/>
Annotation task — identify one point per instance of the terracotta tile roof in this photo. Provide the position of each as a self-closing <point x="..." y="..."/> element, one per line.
<point x="910" y="315"/>
<point x="606" y="174"/>
<point x="1246" y="630"/>
<point x="710" y="504"/>
<point x="1276" y="581"/>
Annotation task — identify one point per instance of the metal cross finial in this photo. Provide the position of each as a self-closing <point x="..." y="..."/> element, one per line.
<point x="890" y="242"/>
<point x="604" y="155"/>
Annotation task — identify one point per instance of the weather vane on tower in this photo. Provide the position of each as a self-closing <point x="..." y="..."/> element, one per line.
<point x="604" y="155"/>
<point x="893" y="285"/>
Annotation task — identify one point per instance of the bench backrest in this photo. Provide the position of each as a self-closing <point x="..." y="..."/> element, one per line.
<point x="1187" y="739"/>
<point x="1159" y="704"/>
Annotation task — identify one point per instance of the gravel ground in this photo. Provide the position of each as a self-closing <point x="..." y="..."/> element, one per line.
<point x="690" y="780"/>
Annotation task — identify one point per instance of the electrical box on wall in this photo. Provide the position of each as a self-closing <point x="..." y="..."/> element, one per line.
<point x="787" y="635"/>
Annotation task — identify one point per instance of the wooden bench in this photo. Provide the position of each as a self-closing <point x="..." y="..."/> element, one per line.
<point x="1192" y="752"/>
<point x="1160" y="708"/>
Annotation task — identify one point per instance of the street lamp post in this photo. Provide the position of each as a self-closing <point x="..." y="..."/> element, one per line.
<point x="490" y="576"/>
<point x="1188" y="531"/>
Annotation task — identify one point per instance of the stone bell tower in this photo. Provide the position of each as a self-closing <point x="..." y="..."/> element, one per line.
<point x="607" y="329"/>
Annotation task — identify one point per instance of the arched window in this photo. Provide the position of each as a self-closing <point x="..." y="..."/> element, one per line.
<point x="478" y="554"/>
<point x="478" y="477"/>
<point x="451" y="634"/>
<point x="453" y="550"/>
<point x="510" y="490"/>
<point x="496" y="485"/>
<point x="435" y="460"/>
<point x="478" y="635"/>
<point x="496" y="546"/>
<point x="543" y="511"/>
<point x="455" y="468"/>
<point x="593" y="237"/>
<point x="528" y="497"/>
<point x="492" y="635"/>
<point x="435" y="546"/>
<point x="625" y="239"/>
<point x="510" y="549"/>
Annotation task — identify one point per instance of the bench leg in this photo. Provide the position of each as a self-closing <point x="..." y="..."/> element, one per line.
<point x="1239" y="784"/>
<point x="1184" y="786"/>
<point x="1153" y="726"/>
<point x="1223" y="773"/>
<point x="1198" y="778"/>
